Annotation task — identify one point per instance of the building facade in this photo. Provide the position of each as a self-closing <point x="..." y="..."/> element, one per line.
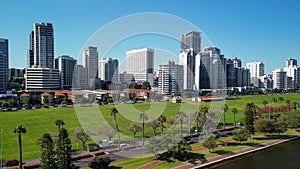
<point x="191" y="40"/>
<point x="67" y="69"/>
<point x="291" y="62"/>
<point x="170" y="78"/>
<point x="43" y="45"/>
<point x="108" y="69"/>
<point x="140" y="63"/>
<point x="279" y="79"/>
<point x="30" y="53"/>
<point x="237" y="62"/>
<point x="42" y="79"/>
<point x="4" y="59"/>
<point x="187" y="58"/>
<point x="257" y="69"/>
<point x="82" y="77"/>
<point x="90" y="61"/>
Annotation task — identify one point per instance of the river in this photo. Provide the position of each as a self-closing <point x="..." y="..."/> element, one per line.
<point x="283" y="156"/>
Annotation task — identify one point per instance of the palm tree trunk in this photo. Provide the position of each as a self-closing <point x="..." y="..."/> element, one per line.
<point x="234" y="119"/>
<point x="119" y="140"/>
<point x="20" y="148"/>
<point x="224" y="120"/>
<point x="162" y="129"/>
<point x="143" y="125"/>
<point x="181" y="128"/>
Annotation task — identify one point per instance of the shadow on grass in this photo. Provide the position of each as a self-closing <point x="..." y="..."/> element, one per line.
<point x="271" y="137"/>
<point x="114" y="167"/>
<point x="222" y="152"/>
<point x="244" y="144"/>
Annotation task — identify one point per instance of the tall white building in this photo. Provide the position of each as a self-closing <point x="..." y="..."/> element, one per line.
<point x="256" y="69"/>
<point x="291" y="62"/>
<point x="187" y="59"/>
<point x="279" y="79"/>
<point x="108" y="69"/>
<point x="140" y="63"/>
<point x="90" y="61"/>
<point x="191" y="40"/>
<point x="294" y="73"/>
<point x="43" y="45"/>
<point x="42" y="79"/>
<point x="170" y="78"/>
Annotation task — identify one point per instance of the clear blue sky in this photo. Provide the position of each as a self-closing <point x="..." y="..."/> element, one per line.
<point x="253" y="30"/>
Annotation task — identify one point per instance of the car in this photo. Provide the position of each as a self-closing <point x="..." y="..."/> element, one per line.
<point x="28" y="107"/>
<point x="240" y="123"/>
<point x="10" y="163"/>
<point x="63" y="105"/>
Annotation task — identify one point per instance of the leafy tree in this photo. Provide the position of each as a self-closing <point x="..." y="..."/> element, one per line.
<point x="280" y="126"/>
<point x="210" y="143"/>
<point x="107" y="131"/>
<point x="12" y="103"/>
<point x="288" y="102"/>
<point x="234" y="111"/>
<point x="171" y="120"/>
<point x="19" y="130"/>
<point x="281" y="99"/>
<point x="81" y="135"/>
<point x="274" y="100"/>
<point x="146" y="85"/>
<point x="143" y="117"/>
<point x="155" y="146"/>
<point x="225" y="109"/>
<point x="240" y="135"/>
<point x="48" y="160"/>
<point x="59" y="123"/>
<point x="162" y="119"/>
<point x="179" y="151"/>
<point x="294" y="106"/>
<point x="134" y="128"/>
<point x="250" y="112"/>
<point x="113" y="112"/>
<point x="154" y="125"/>
<point x="63" y="150"/>
<point x="100" y="162"/>
<point x="293" y="120"/>
<point x="180" y="115"/>
<point x="264" y="126"/>
<point x="200" y="117"/>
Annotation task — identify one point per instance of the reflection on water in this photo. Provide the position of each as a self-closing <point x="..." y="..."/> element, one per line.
<point x="284" y="156"/>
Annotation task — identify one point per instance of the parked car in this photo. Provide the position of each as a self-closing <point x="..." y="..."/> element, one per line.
<point x="10" y="163"/>
<point x="93" y="147"/>
<point x="28" y="107"/>
<point x="240" y="123"/>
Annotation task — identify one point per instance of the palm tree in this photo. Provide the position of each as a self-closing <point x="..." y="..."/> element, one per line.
<point x="200" y="117"/>
<point x="281" y="99"/>
<point x="234" y="111"/>
<point x="288" y="102"/>
<point x="113" y="112"/>
<point x="162" y="119"/>
<point x="20" y="130"/>
<point x="154" y="125"/>
<point x="265" y="103"/>
<point x="274" y="100"/>
<point x="295" y="106"/>
<point x="180" y="115"/>
<point x="225" y="109"/>
<point x="143" y="117"/>
<point x="59" y="123"/>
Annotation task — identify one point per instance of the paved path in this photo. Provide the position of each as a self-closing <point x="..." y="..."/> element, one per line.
<point x="149" y="165"/>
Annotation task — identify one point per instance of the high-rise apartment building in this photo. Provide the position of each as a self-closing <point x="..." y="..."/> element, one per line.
<point x="42" y="79"/>
<point x="230" y="73"/>
<point x="291" y="62"/>
<point x="30" y="54"/>
<point x="170" y="78"/>
<point x="82" y="77"/>
<point x="43" y="41"/>
<point x="191" y="40"/>
<point x="256" y="69"/>
<point x="237" y="62"/>
<point x="140" y="63"/>
<point x="90" y="61"/>
<point x="108" y="69"/>
<point x="67" y="68"/>
<point x="187" y="59"/>
<point x="279" y="79"/>
<point x="4" y="57"/>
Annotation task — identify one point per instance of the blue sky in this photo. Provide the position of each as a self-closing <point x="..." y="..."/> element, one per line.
<point x="253" y="30"/>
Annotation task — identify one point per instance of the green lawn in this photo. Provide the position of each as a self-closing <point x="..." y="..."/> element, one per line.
<point x="39" y="121"/>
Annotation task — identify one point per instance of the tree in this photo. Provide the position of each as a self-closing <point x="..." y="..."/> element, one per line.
<point x="288" y="102"/>
<point x="154" y="125"/>
<point x="210" y="143"/>
<point x="281" y="99"/>
<point x="234" y="111"/>
<point x="162" y="119"/>
<point x="180" y="115"/>
<point x="81" y="135"/>
<point x="280" y="126"/>
<point x="294" y="106"/>
<point x="240" y="135"/>
<point x="107" y="131"/>
<point x="274" y="100"/>
<point x="143" y="117"/>
<point x="19" y="130"/>
<point x="171" y="120"/>
<point x="113" y="112"/>
<point x="264" y="126"/>
<point x="293" y="120"/>
<point x="48" y="160"/>
<point x="180" y="149"/>
<point x="155" y="146"/>
<point x="63" y="150"/>
<point x="265" y="103"/>
<point x="225" y="109"/>
<point x="146" y="86"/>
<point x="134" y="128"/>
<point x="200" y="117"/>
<point x="59" y="123"/>
<point x="100" y="162"/>
<point x="250" y="112"/>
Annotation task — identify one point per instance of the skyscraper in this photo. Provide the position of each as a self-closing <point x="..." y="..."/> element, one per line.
<point x="257" y="69"/>
<point x="90" y="61"/>
<point x="43" y="45"/>
<point x="191" y="40"/>
<point x="66" y="66"/>
<point x="237" y="62"/>
<point x="140" y="62"/>
<point x="187" y="59"/>
<point x="170" y="78"/>
<point x="30" y="53"/>
<point x="82" y="77"/>
<point x="4" y="57"/>
<point x="108" y="69"/>
<point x="279" y="79"/>
<point x="291" y="62"/>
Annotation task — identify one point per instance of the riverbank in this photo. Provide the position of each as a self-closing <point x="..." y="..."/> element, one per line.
<point x="235" y="154"/>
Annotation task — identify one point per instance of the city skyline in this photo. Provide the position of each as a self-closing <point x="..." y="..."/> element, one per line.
<point x="251" y="28"/>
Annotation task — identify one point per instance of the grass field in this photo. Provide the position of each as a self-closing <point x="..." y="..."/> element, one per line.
<point x="39" y="121"/>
